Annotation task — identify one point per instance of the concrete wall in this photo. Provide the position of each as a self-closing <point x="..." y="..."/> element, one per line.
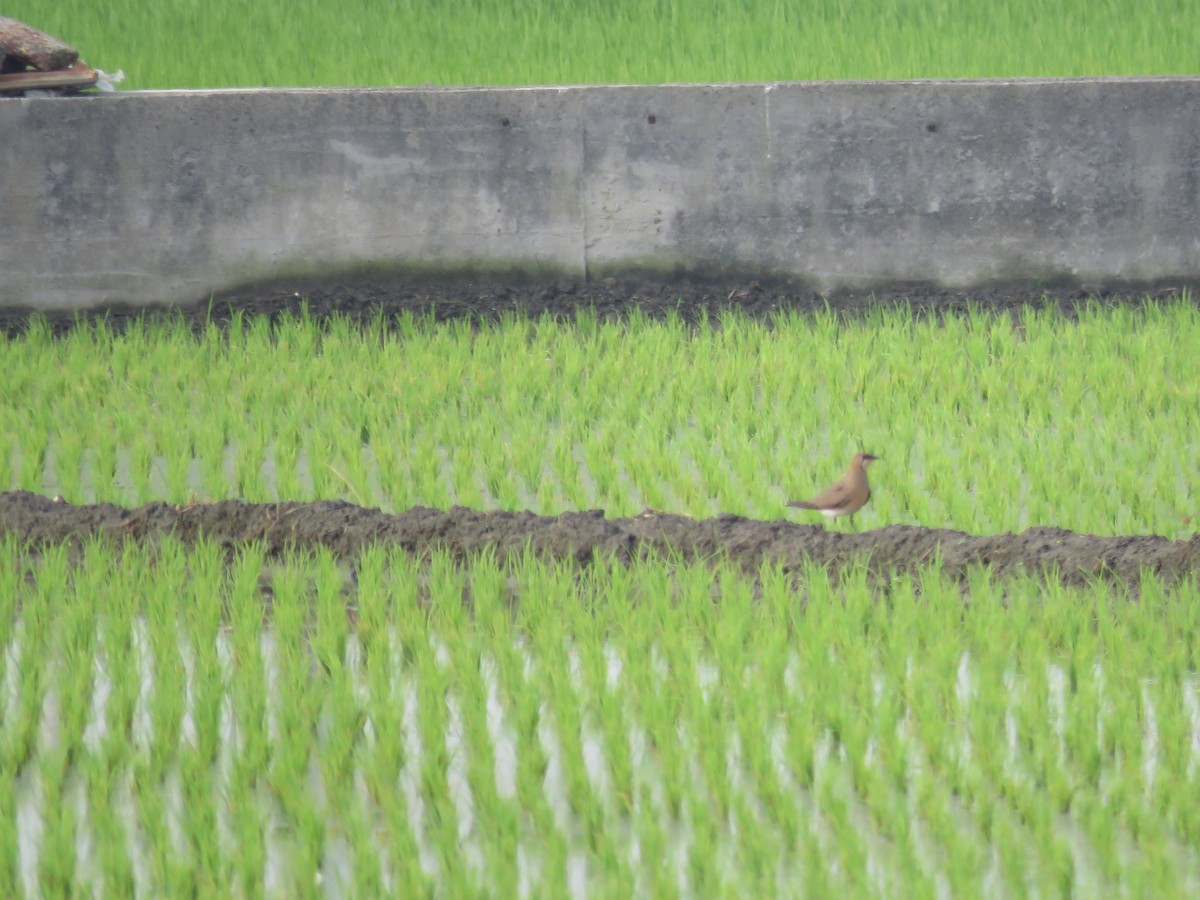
<point x="169" y="196"/>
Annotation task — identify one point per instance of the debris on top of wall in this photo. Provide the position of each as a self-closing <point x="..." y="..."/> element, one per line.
<point x="33" y="61"/>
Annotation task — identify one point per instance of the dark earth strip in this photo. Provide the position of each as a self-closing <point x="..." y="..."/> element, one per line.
<point x="486" y="300"/>
<point x="346" y="530"/>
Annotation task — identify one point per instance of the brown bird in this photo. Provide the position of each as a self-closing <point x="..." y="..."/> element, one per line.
<point x="844" y="497"/>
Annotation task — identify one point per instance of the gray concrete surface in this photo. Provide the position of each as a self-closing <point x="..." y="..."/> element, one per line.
<point x="160" y="197"/>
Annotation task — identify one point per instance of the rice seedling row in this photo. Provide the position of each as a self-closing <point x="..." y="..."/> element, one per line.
<point x="554" y="42"/>
<point x="984" y="424"/>
<point x="535" y="727"/>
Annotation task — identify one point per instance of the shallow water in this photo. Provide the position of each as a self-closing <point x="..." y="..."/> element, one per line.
<point x="833" y="783"/>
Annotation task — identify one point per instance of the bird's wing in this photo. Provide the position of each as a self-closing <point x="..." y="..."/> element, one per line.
<point x="834" y="497"/>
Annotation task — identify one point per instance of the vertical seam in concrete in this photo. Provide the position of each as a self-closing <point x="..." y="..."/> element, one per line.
<point x="767" y="88"/>
<point x="584" y="200"/>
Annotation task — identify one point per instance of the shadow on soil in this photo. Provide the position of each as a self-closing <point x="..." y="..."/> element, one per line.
<point x="482" y="301"/>
<point x="346" y="529"/>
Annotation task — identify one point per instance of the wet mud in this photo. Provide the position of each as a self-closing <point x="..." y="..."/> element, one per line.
<point x="346" y="529"/>
<point x="484" y="301"/>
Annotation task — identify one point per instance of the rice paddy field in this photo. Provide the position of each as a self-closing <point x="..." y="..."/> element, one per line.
<point x="540" y="730"/>
<point x="180" y="717"/>
<point x="497" y="42"/>
<point x="985" y="423"/>
<point x="219" y="718"/>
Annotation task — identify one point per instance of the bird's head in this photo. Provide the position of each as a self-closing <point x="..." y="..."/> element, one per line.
<point x="862" y="460"/>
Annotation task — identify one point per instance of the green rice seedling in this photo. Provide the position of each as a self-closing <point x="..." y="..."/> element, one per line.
<point x="432" y="684"/>
<point x="605" y="472"/>
<point x="749" y="758"/>
<point x="476" y="647"/>
<point x="163" y="581"/>
<point x="377" y="576"/>
<point x="324" y="467"/>
<point x="29" y="468"/>
<point x="106" y="767"/>
<point x="583" y="489"/>
<point x="248" y="461"/>
<point x="1017" y="867"/>
<point x="382" y="756"/>
<point x="68" y="462"/>
<point x="327" y="624"/>
<point x="100" y="485"/>
<point x="337" y="467"/>
<point x="210" y="458"/>
<point x="663" y="739"/>
<point x="1155" y="870"/>
<point x="70" y="676"/>
<point x="399" y="857"/>
<point x="16" y="570"/>
<point x="295" y="712"/>
<point x="9" y="458"/>
<point x="967" y="853"/>
<point x="428" y="486"/>
<point x="528" y="710"/>
<point x="57" y="871"/>
<point x="494" y="823"/>
<point x="283" y="469"/>
<point x="366" y="876"/>
<point x="139" y="462"/>
<point x="533" y="763"/>
<point x="9" y="841"/>
<point x="29" y="643"/>
<point x="340" y="730"/>
<point x="567" y="717"/>
<point x="248" y="754"/>
<point x="653" y="835"/>
<point x="174" y="462"/>
<point x="518" y="758"/>
<point x="711" y="862"/>
<point x="199" y="610"/>
<point x="836" y="803"/>
<point x="504" y="490"/>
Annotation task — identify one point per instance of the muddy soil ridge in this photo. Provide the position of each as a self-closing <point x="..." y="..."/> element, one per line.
<point x="346" y="529"/>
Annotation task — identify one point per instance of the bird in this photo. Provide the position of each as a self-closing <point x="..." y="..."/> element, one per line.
<point x="846" y="496"/>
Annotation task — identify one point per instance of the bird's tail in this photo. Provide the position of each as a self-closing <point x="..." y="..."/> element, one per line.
<point x="801" y="504"/>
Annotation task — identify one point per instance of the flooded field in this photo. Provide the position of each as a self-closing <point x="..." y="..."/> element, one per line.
<point x="177" y="716"/>
<point x="502" y="599"/>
